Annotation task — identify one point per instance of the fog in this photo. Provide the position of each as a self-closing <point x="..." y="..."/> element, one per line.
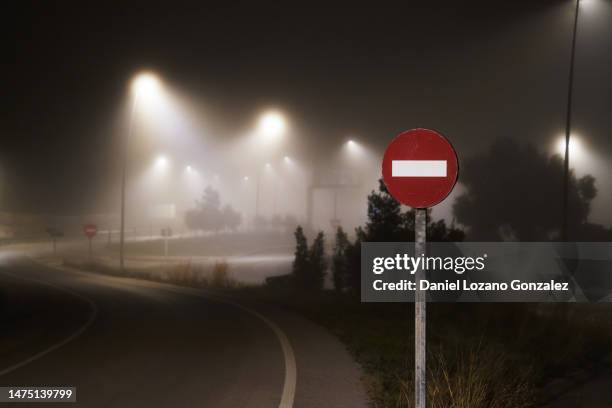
<point x="343" y="93"/>
<point x="177" y="148"/>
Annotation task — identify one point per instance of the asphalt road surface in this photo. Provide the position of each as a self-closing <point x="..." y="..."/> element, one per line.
<point x="129" y="343"/>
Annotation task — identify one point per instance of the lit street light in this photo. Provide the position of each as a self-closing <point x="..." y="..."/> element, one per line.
<point x="271" y="127"/>
<point x="162" y="162"/>
<point x="144" y="86"/>
<point x="272" y="124"/>
<point x="575" y="147"/>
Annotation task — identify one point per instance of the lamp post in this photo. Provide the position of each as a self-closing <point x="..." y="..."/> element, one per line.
<point x="568" y="123"/>
<point x="271" y="127"/>
<point x="144" y="83"/>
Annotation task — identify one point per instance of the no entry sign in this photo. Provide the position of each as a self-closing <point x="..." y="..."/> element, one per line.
<point x="420" y="168"/>
<point x="90" y="230"/>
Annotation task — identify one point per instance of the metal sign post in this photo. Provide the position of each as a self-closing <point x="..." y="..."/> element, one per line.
<point x="420" y="169"/>
<point x="90" y="231"/>
<point x="166" y="233"/>
<point x="54" y="233"/>
<point x="420" y="313"/>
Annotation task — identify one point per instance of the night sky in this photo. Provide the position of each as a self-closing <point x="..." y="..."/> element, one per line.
<point x="474" y="71"/>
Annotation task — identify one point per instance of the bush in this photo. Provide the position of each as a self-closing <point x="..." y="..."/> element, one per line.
<point x="220" y="278"/>
<point x="279" y="282"/>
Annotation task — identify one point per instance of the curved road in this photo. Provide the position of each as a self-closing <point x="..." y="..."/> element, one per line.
<point x="130" y="343"/>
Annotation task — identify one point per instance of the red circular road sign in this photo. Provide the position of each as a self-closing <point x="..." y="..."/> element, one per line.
<point x="90" y="230"/>
<point x="420" y="168"/>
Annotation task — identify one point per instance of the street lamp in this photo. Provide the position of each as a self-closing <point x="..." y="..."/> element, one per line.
<point x="144" y="86"/>
<point x="161" y="162"/>
<point x="568" y="123"/>
<point x="271" y="126"/>
<point x="575" y="147"/>
<point x="353" y="148"/>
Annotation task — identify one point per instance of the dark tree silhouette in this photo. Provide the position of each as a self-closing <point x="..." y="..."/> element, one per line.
<point x="301" y="264"/>
<point x="353" y="261"/>
<point x="385" y="219"/>
<point x="387" y="222"/>
<point x="318" y="264"/>
<point x="515" y="192"/>
<point x="339" y="259"/>
<point x="309" y="265"/>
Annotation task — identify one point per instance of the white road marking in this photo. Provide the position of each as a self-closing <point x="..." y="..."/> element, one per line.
<point x="74" y="335"/>
<point x="288" y="394"/>
<point x="290" y="380"/>
<point x="418" y="168"/>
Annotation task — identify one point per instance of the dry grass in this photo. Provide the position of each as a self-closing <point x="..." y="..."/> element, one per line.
<point x="220" y="278"/>
<point x="478" y="378"/>
<point x="184" y="273"/>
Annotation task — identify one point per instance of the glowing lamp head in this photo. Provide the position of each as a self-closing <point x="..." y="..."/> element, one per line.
<point x="145" y="85"/>
<point x="575" y="146"/>
<point x="272" y="124"/>
<point x="161" y="162"/>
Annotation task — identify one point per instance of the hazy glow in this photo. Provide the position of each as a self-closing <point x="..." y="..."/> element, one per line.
<point x="575" y="147"/>
<point x="587" y="3"/>
<point x="145" y="85"/>
<point x="354" y="149"/>
<point x="245" y="178"/>
<point x="268" y="166"/>
<point x="272" y="124"/>
<point x="287" y="160"/>
<point x="161" y="162"/>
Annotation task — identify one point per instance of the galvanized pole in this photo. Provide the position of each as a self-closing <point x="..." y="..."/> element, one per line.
<point x="124" y="165"/>
<point x="257" y="181"/>
<point x="568" y="126"/>
<point x="420" y="313"/>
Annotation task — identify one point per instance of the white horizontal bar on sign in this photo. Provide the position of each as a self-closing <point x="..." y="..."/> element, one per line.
<point x="418" y="168"/>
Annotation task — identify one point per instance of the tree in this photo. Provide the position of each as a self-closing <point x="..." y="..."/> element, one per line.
<point x="353" y="261"/>
<point x="339" y="259"/>
<point x="301" y="263"/>
<point x="514" y="191"/>
<point x="231" y="218"/>
<point x="309" y="265"/>
<point x="318" y="264"/>
<point x="209" y="216"/>
<point x="387" y="222"/>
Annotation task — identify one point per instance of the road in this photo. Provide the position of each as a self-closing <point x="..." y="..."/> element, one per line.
<point x="131" y="343"/>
